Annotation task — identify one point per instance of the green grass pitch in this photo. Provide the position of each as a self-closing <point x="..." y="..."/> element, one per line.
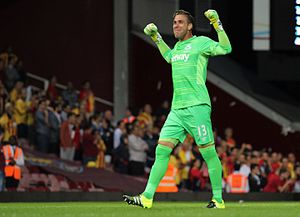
<point x="160" y="209"/>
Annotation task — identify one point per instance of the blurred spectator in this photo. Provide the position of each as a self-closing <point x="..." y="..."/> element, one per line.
<point x="85" y="119"/>
<point x="175" y="161"/>
<point x="100" y="160"/>
<point x="151" y="137"/>
<point x="7" y="55"/>
<point x="67" y="146"/>
<point x="52" y="92"/>
<point x="243" y="164"/>
<point x="69" y="95"/>
<point x="8" y="123"/>
<point x="256" y="181"/>
<point x="42" y="127"/>
<point x="54" y="124"/>
<point x="291" y="164"/>
<point x="89" y="145"/>
<point x="265" y="163"/>
<point x="20" y="115"/>
<point x="76" y="109"/>
<point x="285" y="165"/>
<point x="234" y="154"/>
<point x="229" y="137"/>
<point x="236" y="182"/>
<point x="66" y="109"/>
<point x="254" y="157"/>
<point x="145" y="117"/>
<point x="279" y="181"/>
<point x="96" y="122"/>
<point x="121" y="156"/>
<point x="77" y="140"/>
<point x="11" y="74"/>
<point x="14" y="160"/>
<point x="222" y="148"/>
<point x="186" y="158"/>
<point x="196" y="152"/>
<point x="197" y="181"/>
<point x="129" y="117"/>
<point x="108" y="133"/>
<point x="32" y="106"/>
<point x="297" y="180"/>
<point x="137" y="151"/>
<point x="228" y="165"/>
<point x="275" y="162"/>
<point x="2" y="162"/>
<point x="21" y="71"/>
<point x="16" y="92"/>
<point x="217" y="138"/>
<point x="86" y="96"/>
<point x="119" y="131"/>
<point x="108" y="118"/>
<point x="246" y="149"/>
<point x="3" y="96"/>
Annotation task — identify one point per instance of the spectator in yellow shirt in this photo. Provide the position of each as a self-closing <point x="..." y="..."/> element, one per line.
<point x="16" y="92"/>
<point x="8" y="123"/>
<point x="186" y="158"/>
<point x="20" y="115"/>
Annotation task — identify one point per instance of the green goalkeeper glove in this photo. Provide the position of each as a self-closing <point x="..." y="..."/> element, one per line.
<point x="213" y="17"/>
<point x="152" y="31"/>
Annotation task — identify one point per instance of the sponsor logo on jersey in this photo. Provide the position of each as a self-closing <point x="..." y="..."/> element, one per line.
<point x="180" y="57"/>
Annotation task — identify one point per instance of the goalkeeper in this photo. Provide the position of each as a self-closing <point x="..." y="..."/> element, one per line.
<point x="191" y="107"/>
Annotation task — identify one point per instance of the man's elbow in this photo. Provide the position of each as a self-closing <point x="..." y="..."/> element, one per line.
<point x="228" y="49"/>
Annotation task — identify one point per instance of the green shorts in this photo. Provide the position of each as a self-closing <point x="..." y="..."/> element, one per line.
<point x="194" y="120"/>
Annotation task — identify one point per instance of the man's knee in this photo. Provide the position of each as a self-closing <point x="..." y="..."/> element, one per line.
<point x="167" y="144"/>
<point x="208" y="152"/>
<point x="163" y="150"/>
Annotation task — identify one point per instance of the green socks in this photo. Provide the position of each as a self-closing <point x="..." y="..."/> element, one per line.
<point x="215" y="171"/>
<point x="159" y="168"/>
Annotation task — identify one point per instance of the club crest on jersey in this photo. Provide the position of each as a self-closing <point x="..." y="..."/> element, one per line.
<point x="188" y="47"/>
<point x="180" y="57"/>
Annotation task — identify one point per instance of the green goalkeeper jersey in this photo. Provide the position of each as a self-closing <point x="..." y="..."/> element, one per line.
<point x="189" y="59"/>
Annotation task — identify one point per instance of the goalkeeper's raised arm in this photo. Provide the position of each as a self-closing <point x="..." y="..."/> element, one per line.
<point x="152" y="31"/>
<point x="224" y="42"/>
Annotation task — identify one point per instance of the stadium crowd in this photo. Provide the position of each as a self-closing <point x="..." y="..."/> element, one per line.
<point x="67" y="125"/>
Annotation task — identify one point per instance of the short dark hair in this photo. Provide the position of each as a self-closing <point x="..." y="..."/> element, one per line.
<point x="13" y="140"/>
<point x="187" y="14"/>
<point x="282" y="170"/>
<point x="253" y="166"/>
<point x="71" y="114"/>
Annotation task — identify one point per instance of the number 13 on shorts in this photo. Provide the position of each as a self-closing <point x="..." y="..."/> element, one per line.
<point x="204" y="133"/>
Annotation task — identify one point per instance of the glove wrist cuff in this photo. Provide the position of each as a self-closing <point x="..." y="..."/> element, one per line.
<point x="218" y="26"/>
<point x="156" y="38"/>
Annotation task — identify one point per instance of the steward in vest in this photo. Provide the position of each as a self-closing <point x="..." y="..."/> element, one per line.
<point x="168" y="182"/>
<point x="14" y="159"/>
<point x="237" y="183"/>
